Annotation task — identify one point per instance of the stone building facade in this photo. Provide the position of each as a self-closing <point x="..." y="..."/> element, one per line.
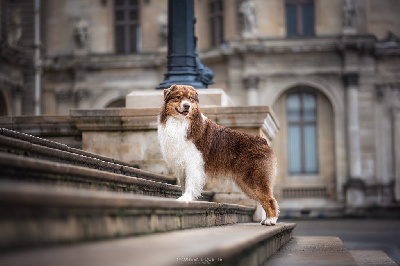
<point x="329" y="68"/>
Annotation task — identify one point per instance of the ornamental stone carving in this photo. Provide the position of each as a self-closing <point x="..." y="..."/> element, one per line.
<point x="249" y="20"/>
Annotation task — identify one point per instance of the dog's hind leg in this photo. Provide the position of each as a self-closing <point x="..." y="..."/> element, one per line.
<point x="270" y="206"/>
<point x="257" y="184"/>
<point x="263" y="194"/>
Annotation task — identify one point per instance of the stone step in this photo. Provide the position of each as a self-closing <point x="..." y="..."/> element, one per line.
<point x="37" y="214"/>
<point x="312" y="250"/>
<point x="239" y="244"/>
<point x="27" y="145"/>
<point x="20" y="168"/>
<point x="372" y="257"/>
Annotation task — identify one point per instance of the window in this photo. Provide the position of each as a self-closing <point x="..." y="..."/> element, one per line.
<point x="299" y="18"/>
<point x="216" y="22"/>
<point x="127" y="30"/>
<point x="302" y="132"/>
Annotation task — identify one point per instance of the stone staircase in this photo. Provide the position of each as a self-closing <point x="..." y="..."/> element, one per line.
<point x="64" y="206"/>
<point x="55" y="199"/>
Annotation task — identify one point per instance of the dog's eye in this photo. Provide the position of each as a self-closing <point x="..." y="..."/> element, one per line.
<point x="190" y="98"/>
<point x="178" y="97"/>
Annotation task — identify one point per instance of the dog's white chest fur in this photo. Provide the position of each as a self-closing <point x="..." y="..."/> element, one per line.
<point x="178" y="152"/>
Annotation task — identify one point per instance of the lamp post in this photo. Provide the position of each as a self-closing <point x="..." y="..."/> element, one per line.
<point x="184" y="66"/>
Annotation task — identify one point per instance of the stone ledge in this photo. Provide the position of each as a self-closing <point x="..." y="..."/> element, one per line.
<point x="120" y="119"/>
<point x="240" y="244"/>
<point x="40" y="214"/>
<point x="57" y="125"/>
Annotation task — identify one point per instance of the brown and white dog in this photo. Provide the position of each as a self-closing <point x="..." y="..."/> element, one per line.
<point x="196" y="148"/>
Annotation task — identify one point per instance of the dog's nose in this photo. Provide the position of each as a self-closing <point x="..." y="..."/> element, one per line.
<point x="186" y="106"/>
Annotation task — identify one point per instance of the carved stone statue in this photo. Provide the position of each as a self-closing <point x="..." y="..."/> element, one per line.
<point x="163" y="28"/>
<point x="81" y="35"/>
<point x="15" y="28"/>
<point x="249" y="19"/>
<point x="349" y="13"/>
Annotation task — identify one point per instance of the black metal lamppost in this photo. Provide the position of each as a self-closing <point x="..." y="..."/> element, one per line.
<point x="183" y="64"/>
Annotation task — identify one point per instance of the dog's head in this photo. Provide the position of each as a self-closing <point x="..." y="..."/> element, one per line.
<point x="180" y="101"/>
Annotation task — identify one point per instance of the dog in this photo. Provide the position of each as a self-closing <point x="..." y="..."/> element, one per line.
<point x="196" y="148"/>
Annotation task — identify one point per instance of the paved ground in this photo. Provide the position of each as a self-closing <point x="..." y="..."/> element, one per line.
<point x="356" y="234"/>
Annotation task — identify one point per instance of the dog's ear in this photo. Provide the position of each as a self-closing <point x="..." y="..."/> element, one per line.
<point x="173" y="87"/>
<point x="196" y="97"/>
<point x="167" y="92"/>
<point x="195" y="94"/>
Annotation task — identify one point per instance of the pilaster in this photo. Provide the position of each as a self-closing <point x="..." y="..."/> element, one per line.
<point x="251" y="85"/>
<point x="355" y="185"/>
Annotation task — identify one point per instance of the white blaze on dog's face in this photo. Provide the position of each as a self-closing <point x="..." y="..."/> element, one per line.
<point x="180" y="100"/>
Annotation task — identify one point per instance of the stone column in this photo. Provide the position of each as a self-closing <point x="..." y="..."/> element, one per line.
<point x="251" y="85"/>
<point x="355" y="185"/>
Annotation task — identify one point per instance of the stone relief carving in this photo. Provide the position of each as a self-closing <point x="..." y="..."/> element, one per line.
<point x="15" y="28"/>
<point x="248" y="18"/>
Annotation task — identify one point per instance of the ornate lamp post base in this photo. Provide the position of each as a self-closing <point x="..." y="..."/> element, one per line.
<point x="184" y="66"/>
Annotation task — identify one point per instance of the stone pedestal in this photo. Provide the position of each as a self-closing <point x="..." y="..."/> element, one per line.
<point x="150" y="99"/>
<point x="349" y="31"/>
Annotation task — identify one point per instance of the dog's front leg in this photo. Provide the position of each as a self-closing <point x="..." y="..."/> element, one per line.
<point x="182" y="180"/>
<point x="194" y="182"/>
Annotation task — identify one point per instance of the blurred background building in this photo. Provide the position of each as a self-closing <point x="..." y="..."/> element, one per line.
<point x="329" y="68"/>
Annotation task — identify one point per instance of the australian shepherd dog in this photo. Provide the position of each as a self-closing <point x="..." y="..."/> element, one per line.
<point x="194" y="147"/>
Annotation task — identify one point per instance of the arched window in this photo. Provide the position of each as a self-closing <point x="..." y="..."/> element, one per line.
<point x="302" y="132"/>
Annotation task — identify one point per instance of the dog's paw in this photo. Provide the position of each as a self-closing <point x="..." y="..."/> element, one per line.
<point x="185" y="197"/>
<point x="269" y="221"/>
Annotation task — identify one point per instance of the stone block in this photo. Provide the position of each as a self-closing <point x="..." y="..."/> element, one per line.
<point x="148" y="99"/>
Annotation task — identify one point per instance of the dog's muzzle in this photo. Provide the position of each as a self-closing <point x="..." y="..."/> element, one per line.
<point x="185" y="107"/>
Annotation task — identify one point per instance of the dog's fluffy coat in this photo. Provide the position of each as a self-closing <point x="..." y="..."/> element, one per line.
<point x="196" y="148"/>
